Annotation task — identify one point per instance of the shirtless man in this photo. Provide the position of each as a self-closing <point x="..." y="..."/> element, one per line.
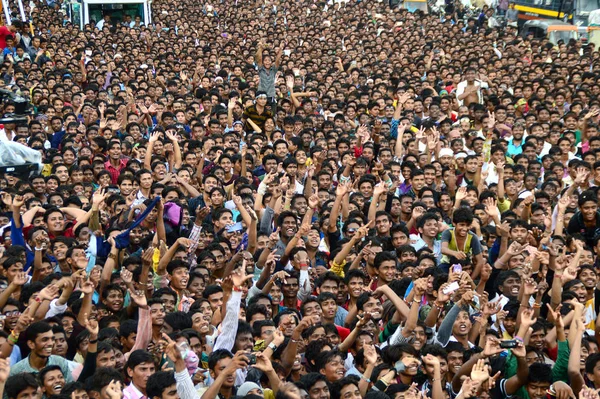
<point x="468" y="91"/>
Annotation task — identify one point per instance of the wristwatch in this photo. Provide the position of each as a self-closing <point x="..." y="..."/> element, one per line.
<point x="272" y="346"/>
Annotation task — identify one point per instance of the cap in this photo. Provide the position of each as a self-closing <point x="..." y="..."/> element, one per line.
<point x="460" y="155"/>
<point x="247" y="387"/>
<point x="446" y="152"/>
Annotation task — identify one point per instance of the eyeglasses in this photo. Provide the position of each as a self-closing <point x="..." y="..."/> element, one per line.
<point x="12" y="313"/>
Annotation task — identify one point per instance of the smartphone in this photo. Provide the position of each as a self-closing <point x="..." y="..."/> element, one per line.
<point x="235" y="227"/>
<point x="511" y="343"/>
<point x="451" y="288"/>
<point x="457" y="268"/>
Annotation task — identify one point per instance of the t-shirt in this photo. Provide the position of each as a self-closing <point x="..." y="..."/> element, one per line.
<point x="472" y="246"/>
<point x="267" y="80"/>
<point x="24" y="367"/>
<point x="577" y="225"/>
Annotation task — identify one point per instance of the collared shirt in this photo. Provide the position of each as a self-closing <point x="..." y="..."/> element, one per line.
<point x="115" y="172"/>
<point x="131" y="392"/>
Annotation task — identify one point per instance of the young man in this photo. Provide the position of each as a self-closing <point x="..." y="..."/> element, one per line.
<point x="139" y="368"/>
<point x="40" y="340"/>
<point x="166" y="385"/>
<point x="222" y="366"/>
<point x="459" y="242"/>
<point x="21" y="386"/>
<point x="52" y="380"/>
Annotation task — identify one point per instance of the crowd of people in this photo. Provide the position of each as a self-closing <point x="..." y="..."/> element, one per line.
<point x="298" y="200"/>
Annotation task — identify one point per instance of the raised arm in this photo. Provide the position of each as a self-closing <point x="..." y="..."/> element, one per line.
<point x="176" y="150"/>
<point x="149" y="150"/>
<point x="259" y="53"/>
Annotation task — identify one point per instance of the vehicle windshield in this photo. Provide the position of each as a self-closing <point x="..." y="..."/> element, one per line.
<point x="565" y="36"/>
<point x="587" y="5"/>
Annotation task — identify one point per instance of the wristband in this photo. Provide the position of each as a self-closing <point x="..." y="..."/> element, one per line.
<point x="95" y="341"/>
<point x="517" y="338"/>
<point x="380" y="386"/>
<point x="237" y="288"/>
<point x="39" y="249"/>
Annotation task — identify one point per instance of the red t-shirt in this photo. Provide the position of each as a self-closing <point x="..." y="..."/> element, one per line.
<point x="67" y="233"/>
<point x="4" y="31"/>
<point x="343" y="332"/>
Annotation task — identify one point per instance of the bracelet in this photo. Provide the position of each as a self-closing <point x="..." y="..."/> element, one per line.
<point x="39" y="249"/>
<point x="435" y="305"/>
<point x="237" y="289"/>
<point x="294" y="340"/>
<point x="11" y="339"/>
<point x="365" y="378"/>
<point x="558" y="275"/>
<point x="536" y="305"/>
<point x="38" y="299"/>
<point x="112" y="256"/>
<point x="517" y="338"/>
<point x="93" y="341"/>
<point x="417" y="301"/>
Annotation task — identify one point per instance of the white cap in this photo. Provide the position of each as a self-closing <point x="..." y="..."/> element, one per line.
<point x="446" y="152"/>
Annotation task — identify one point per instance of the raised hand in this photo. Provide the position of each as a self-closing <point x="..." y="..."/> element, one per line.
<point x="113" y="390"/>
<point x="20" y="279"/>
<point x="126" y="276"/>
<point x="370" y="354"/>
<point x="313" y="201"/>
<point x="18" y="201"/>
<point x="380" y="189"/>
<point x="4" y="370"/>
<point x="239" y="277"/>
<point x="529" y="287"/>
<point x="528" y="317"/>
<point x="492" y="347"/>
<point x="491" y="207"/>
<point x="480" y="373"/>
<point x="48" y="293"/>
<point x="461" y="194"/>
<point x="91" y="326"/>
<point x="87" y="287"/>
<point x="263" y="363"/>
<point x="99" y="197"/>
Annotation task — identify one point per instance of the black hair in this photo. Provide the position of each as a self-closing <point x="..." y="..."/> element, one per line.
<point x="138" y="357"/>
<point x="179" y="321"/>
<point x="216" y="356"/>
<point x="158" y="382"/>
<point x="101" y="378"/>
<point x="541" y="372"/>
<point x="17" y="383"/>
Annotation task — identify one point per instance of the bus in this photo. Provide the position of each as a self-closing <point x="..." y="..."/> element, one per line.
<point x="573" y="11"/>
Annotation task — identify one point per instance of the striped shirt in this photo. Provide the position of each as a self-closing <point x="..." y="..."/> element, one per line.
<point x="252" y="113"/>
